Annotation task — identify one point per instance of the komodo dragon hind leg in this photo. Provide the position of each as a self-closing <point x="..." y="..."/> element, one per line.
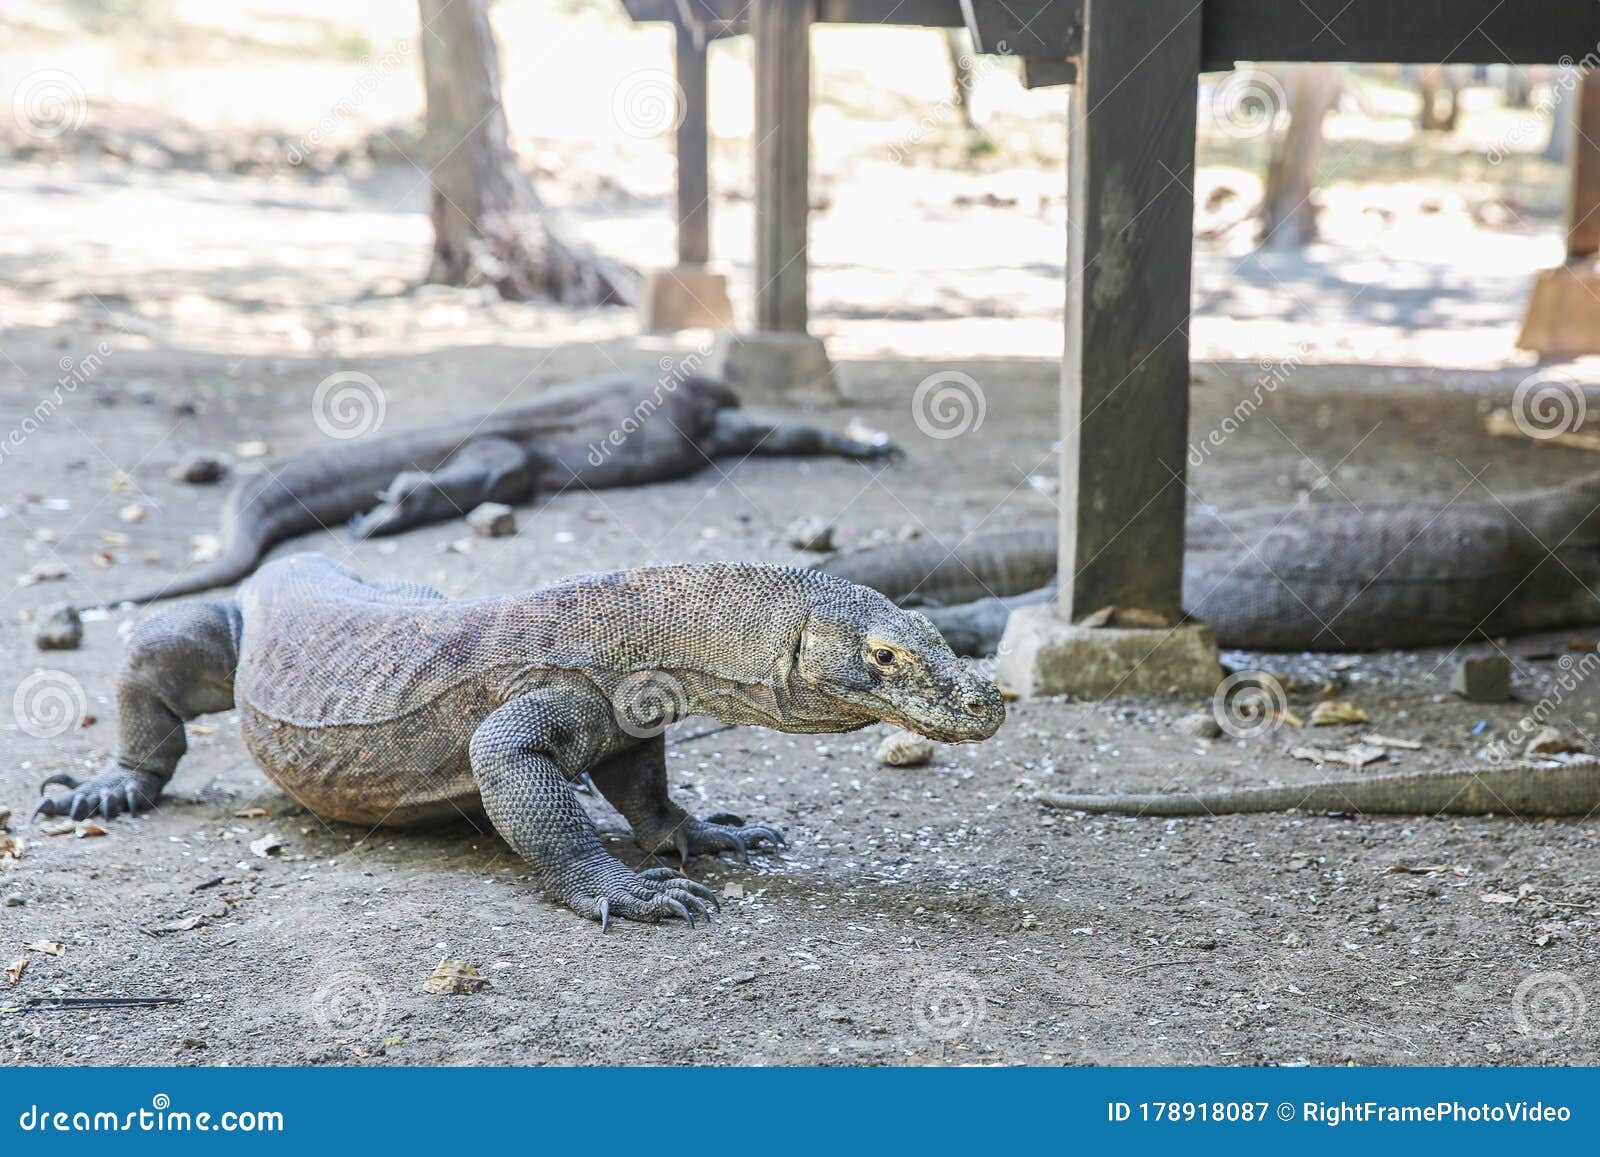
<point x="180" y="664"/>
<point x="738" y="433"/>
<point x="523" y="756"/>
<point x="635" y="782"/>
<point x="483" y="470"/>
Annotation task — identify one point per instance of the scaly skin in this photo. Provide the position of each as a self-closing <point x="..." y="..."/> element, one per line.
<point x="623" y="431"/>
<point x="1326" y="577"/>
<point x="1515" y="788"/>
<point x="386" y="703"/>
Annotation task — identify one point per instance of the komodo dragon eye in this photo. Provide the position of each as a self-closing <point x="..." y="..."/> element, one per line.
<point x="883" y="657"/>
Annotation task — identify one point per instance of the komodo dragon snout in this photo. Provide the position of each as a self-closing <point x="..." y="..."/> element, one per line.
<point x="895" y="665"/>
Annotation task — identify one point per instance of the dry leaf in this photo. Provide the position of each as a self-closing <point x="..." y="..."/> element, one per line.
<point x="15" y="969"/>
<point x="59" y="827"/>
<point x="454" y="978"/>
<point x="1414" y="869"/>
<point x="1498" y="898"/>
<point x="1115" y="616"/>
<point x="89" y="828"/>
<point x="1390" y="741"/>
<point x="48" y="947"/>
<point x="187" y="924"/>
<point x="250" y="813"/>
<point x="1336" y="712"/>
<point x="252" y="449"/>
<point x="268" y="845"/>
<point x="133" y="512"/>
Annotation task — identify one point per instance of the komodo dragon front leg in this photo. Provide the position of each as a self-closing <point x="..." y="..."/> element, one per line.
<point x="483" y="470"/>
<point x="523" y="757"/>
<point x="635" y="783"/>
<point x="180" y="664"/>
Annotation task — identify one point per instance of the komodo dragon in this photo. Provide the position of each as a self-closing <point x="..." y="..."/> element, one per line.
<point x="1326" y="577"/>
<point x="621" y="431"/>
<point x="1515" y="788"/>
<point x="387" y="703"/>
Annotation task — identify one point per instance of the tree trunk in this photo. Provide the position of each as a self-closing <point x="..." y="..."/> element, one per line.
<point x="1441" y="97"/>
<point x="1288" y="218"/>
<point x="488" y="224"/>
<point x="961" y="80"/>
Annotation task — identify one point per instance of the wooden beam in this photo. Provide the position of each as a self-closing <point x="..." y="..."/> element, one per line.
<point x="693" y="146"/>
<point x="1038" y="72"/>
<point x="1355" y="31"/>
<point x="1583" y="199"/>
<point x="1125" y="374"/>
<point x="782" y="33"/>
<point x="731" y="17"/>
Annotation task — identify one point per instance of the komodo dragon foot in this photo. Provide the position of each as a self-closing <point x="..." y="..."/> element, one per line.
<point x="114" y="791"/>
<point x="717" y="833"/>
<point x="606" y="888"/>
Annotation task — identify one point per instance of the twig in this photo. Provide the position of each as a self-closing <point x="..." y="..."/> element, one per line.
<point x="1158" y="964"/>
<point x="55" y="1003"/>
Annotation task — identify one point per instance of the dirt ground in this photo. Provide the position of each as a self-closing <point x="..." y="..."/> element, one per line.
<point x="921" y="916"/>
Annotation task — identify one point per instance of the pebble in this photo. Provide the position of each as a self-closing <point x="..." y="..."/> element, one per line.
<point x="199" y="469"/>
<point x="1483" y="679"/>
<point x="493" y="520"/>
<point x="905" y="749"/>
<point x="15" y="901"/>
<point x="58" y="628"/>
<point x="810" y="532"/>
<point x="1201" y="725"/>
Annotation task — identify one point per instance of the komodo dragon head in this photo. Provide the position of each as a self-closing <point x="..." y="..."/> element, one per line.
<point x="872" y="658"/>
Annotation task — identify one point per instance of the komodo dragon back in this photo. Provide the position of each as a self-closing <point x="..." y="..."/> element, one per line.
<point x="1513" y="788"/>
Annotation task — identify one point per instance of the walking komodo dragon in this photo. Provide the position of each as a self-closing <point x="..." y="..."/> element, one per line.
<point x="626" y="430"/>
<point x="387" y="703"/>
<point x="1325" y="577"/>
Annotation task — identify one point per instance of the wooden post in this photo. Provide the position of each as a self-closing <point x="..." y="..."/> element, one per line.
<point x="781" y="30"/>
<point x="694" y="140"/>
<point x="1125" y="377"/>
<point x="1583" y="203"/>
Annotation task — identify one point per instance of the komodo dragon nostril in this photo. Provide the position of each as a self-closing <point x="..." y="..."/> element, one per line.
<point x="977" y="706"/>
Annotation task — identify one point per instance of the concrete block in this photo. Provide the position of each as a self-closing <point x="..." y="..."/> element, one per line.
<point x="1483" y="679"/>
<point x="776" y="366"/>
<point x="687" y="297"/>
<point x="1042" y="653"/>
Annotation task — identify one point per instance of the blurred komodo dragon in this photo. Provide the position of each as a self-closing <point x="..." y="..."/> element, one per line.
<point x="1325" y="577"/>
<point x="387" y="703"/>
<point x="1514" y="788"/>
<point x="626" y="430"/>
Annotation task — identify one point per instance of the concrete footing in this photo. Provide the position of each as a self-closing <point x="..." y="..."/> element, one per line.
<point x="775" y="365"/>
<point x="1042" y="653"/>
<point x="685" y="297"/>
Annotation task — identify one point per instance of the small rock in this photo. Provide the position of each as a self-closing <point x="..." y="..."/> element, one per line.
<point x="1336" y="713"/>
<point x="199" y="470"/>
<point x="133" y="512"/>
<point x="58" y="628"/>
<point x="493" y="520"/>
<point x="1483" y="679"/>
<point x="742" y="977"/>
<point x="1201" y="725"/>
<point x="266" y="846"/>
<point x="810" y="532"/>
<point x="905" y="749"/>
<point x="5" y="818"/>
<point x="733" y="890"/>
<point x="1549" y="741"/>
<point x="14" y="901"/>
<point x="454" y="978"/>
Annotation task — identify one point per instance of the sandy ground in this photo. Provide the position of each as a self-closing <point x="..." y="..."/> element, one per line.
<point x="923" y="916"/>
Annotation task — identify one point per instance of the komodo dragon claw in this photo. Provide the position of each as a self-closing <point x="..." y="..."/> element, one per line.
<point x="723" y="832"/>
<point x="108" y="794"/>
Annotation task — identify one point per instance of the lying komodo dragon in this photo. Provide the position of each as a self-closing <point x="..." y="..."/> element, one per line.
<point x="386" y="703"/>
<point x="1326" y="577"/>
<point x="620" y="431"/>
<point x="1514" y="788"/>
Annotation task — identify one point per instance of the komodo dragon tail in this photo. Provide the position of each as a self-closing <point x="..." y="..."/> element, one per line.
<point x="1516" y="789"/>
